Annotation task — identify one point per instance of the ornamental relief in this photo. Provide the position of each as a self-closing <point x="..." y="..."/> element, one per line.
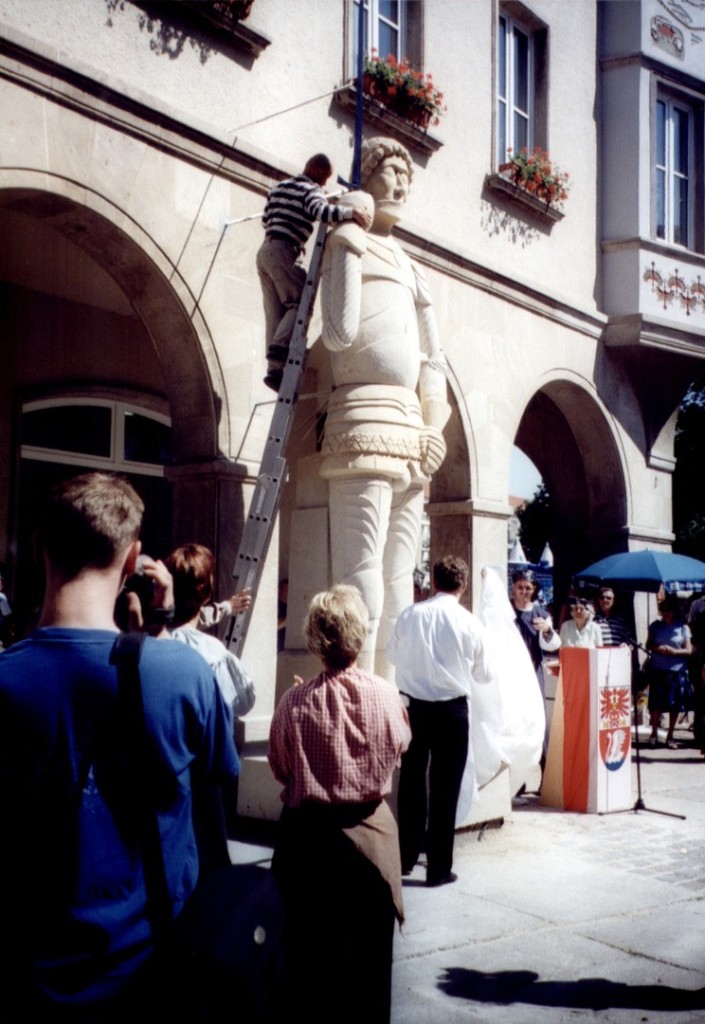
<point x="363" y="443"/>
<point x="689" y="14"/>
<point x="672" y="288"/>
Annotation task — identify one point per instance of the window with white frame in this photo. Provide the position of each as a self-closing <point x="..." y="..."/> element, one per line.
<point x="96" y="433"/>
<point x="521" y="78"/>
<point x="390" y="27"/>
<point x="66" y="435"/>
<point x="674" y="170"/>
<point x="514" y="89"/>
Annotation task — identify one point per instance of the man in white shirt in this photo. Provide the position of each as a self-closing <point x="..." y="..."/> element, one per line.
<point x="438" y="649"/>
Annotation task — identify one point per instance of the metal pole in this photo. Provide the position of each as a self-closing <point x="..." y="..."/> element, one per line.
<point x="357" y="154"/>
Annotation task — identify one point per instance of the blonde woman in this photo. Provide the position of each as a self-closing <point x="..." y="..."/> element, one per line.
<point x="334" y="743"/>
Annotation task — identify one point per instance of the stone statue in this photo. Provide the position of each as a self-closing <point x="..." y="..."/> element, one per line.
<point x="383" y="433"/>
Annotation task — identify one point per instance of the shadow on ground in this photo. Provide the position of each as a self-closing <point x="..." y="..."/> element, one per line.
<point x="507" y="987"/>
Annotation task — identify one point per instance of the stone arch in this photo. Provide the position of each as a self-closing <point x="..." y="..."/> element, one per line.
<point x="568" y="435"/>
<point x="155" y="291"/>
<point x="456" y="479"/>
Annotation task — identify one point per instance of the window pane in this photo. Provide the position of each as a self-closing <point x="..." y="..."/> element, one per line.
<point x="502" y="59"/>
<point x="521" y="71"/>
<point x="146" y="440"/>
<point x="502" y="143"/>
<point x="366" y="46"/>
<point x="661" y="134"/>
<point x="680" y="141"/>
<point x="521" y="132"/>
<point x="660" y="204"/>
<point x="680" y="211"/>
<point x="84" y="429"/>
<point x="389" y="9"/>
<point x="388" y="40"/>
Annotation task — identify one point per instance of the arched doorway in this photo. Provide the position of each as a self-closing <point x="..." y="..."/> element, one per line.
<point x="567" y="435"/>
<point x="100" y="358"/>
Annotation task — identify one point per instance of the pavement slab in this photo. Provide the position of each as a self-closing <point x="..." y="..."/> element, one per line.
<point x="559" y="917"/>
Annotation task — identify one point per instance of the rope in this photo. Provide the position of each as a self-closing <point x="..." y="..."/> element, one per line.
<point x="286" y="110"/>
<point x="254" y="216"/>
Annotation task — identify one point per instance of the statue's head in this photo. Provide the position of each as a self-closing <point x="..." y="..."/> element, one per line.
<point x="386" y="172"/>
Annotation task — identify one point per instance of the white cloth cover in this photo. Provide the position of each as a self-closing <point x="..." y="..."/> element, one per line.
<point x="507" y="717"/>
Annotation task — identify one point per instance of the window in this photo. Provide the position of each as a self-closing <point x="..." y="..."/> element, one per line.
<point x="61" y="437"/>
<point x="674" y="172"/>
<point x="514" y="91"/>
<point x="390" y="26"/>
<point x="98" y="433"/>
<point x="521" y="77"/>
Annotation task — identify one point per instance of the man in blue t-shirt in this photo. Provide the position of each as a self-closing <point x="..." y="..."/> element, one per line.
<point x="73" y="901"/>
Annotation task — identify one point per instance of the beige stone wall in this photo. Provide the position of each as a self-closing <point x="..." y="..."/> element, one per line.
<point x="126" y="151"/>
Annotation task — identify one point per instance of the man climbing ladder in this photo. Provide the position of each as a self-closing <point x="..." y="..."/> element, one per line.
<point x="289" y="215"/>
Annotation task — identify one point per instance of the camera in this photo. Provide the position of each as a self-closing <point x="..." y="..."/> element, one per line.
<point x="143" y="587"/>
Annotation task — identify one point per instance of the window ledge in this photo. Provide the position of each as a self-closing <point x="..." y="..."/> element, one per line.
<point x="543" y="211"/>
<point x="382" y="117"/>
<point x="236" y="33"/>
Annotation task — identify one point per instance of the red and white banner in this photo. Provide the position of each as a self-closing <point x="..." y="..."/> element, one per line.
<point x="588" y="767"/>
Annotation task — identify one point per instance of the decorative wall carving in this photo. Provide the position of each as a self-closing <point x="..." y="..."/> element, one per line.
<point x="672" y="287"/>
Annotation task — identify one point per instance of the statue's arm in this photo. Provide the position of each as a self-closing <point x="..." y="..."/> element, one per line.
<point x="433" y="390"/>
<point x="341" y="286"/>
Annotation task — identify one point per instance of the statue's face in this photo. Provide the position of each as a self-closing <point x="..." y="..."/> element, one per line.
<point x="389" y="185"/>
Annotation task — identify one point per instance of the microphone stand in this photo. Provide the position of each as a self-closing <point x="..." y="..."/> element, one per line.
<point x="639" y="804"/>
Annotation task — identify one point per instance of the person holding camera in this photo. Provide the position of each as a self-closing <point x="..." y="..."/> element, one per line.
<point x="192" y="569"/>
<point x="79" y="922"/>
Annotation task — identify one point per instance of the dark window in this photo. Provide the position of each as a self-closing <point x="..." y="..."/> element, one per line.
<point x="146" y="439"/>
<point x="83" y="429"/>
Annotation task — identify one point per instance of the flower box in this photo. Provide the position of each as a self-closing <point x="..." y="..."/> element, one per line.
<point x="388" y="122"/>
<point x="409" y="93"/>
<point x="233" y="10"/>
<point x="502" y="186"/>
<point x="535" y="175"/>
<point x="224" y="19"/>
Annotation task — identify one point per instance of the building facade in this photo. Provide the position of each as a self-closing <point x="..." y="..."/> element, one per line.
<point x="139" y="142"/>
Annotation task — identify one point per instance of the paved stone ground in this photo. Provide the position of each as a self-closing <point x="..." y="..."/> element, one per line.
<point x="559" y="917"/>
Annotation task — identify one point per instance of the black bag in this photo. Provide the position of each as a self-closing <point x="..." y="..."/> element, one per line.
<point x="222" y="955"/>
<point x="228" y="942"/>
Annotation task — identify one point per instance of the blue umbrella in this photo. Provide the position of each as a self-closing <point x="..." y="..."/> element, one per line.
<point x="644" y="570"/>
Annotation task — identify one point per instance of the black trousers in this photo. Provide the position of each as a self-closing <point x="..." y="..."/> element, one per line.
<point x="439" y="747"/>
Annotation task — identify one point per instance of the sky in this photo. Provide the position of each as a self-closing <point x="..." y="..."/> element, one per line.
<point x="524" y="477"/>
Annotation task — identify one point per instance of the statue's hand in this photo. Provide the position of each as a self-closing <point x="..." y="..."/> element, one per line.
<point x="433" y="449"/>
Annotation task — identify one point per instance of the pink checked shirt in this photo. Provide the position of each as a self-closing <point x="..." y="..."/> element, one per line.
<point x="337" y="738"/>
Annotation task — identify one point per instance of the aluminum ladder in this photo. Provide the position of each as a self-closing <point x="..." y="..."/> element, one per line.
<point x="266" y="496"/>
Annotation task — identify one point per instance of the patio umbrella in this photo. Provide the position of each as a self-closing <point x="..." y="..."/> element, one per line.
<point x="644" y="570"/>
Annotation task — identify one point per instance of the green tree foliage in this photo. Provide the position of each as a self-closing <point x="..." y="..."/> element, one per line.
<point x="689" y="475"/>
<point x="536" y="519"/>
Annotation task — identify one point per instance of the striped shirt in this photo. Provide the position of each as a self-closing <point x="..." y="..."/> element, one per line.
<point x="338" y="738"/>
<point x="293" y="206"/>
<point x="614" y="630"/>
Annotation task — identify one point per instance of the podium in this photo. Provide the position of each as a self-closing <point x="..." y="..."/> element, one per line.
<point x="588" y="764"/>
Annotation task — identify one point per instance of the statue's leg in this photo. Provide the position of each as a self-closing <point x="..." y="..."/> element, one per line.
<point x="399" y="561"/>
<point x="359" y="518"/>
